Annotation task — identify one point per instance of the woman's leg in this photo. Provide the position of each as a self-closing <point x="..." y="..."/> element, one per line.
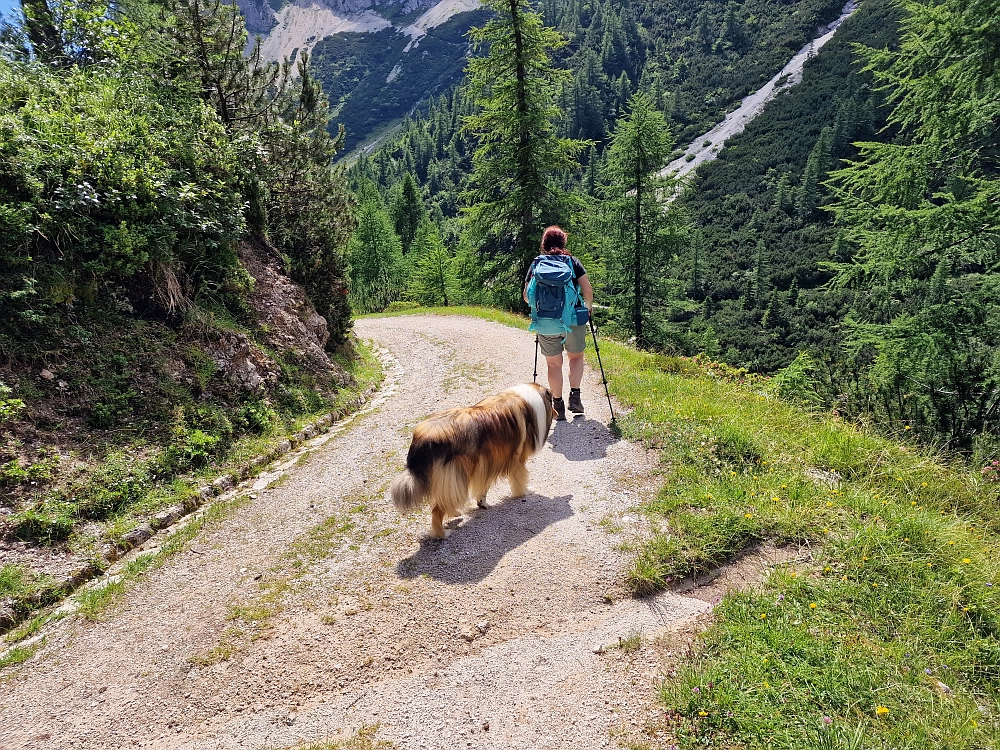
<point x="575" y="370"/>
<point x="555" y="367"/>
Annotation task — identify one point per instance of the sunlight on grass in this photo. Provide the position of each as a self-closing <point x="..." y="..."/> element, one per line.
<point x="891" y="632"/>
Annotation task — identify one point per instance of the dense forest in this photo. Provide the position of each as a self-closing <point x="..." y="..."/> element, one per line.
<point x="752" y="261"/>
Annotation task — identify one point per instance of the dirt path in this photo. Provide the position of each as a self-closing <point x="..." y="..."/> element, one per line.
<point x="313" y="609"/>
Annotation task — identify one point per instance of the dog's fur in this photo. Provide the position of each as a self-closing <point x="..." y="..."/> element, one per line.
<point x="465" y="450"/>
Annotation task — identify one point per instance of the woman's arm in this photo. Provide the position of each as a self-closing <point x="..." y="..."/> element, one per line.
<point x="587" y="290"/>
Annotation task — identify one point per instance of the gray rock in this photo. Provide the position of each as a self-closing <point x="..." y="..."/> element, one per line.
<point x="138" y="535"/>
<point x="166" y="518"/>
<point x="8" y="616"/>
<point x="223" y="483"/>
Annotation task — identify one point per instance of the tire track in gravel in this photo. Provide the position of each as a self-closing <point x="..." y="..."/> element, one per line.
<point x="314" y="610"/>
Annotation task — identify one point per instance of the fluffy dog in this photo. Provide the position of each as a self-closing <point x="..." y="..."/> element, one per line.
<point x="465" y="450"/>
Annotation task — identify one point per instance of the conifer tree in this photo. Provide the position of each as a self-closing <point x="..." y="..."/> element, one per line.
<point x="408" y="212"/>
<point x="376" y="259"/>
<point x="514" y="187"/>
<point x="434" y="279"/>
<point x="640" y="147"/>
<point x="923" y="213"/>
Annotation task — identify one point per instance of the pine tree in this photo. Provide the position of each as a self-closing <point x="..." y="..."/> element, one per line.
<point x="307" y="209"/>
<point x="376" y="260"/>
<point x="639" y="149"/>
<point x="434" y="279"/>
<point x="514" y="189"/>
<point x="759" y="275"/>
<point x="408" y="212"/>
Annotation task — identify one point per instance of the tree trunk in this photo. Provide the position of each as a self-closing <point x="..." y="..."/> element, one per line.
<point x="41" y="29"/>
<point x="637" y="298"/>
<point x="524" y="146"/>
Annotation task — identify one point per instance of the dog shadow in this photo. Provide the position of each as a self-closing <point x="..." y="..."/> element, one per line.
<point x="581" y="439"/>
<point x="475" y="547"/>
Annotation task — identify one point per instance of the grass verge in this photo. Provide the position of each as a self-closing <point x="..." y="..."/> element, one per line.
<point x="484" y="313"/>
<point x="25" y="592"/>
<point x="888" y="638"/>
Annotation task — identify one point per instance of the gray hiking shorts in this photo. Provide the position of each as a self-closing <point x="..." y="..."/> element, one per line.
<point x="576" y="342"/>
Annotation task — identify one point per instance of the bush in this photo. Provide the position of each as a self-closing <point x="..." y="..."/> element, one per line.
<point x="796" y="382"/>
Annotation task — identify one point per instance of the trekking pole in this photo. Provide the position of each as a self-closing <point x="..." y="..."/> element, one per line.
<point x="534" y="377"/>
<point x="604" y="378"/>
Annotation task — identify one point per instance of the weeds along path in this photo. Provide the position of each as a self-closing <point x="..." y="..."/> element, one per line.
<point x="312" y="610"/>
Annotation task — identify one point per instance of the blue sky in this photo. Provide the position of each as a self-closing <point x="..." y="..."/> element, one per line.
<point x="6" y="5"/>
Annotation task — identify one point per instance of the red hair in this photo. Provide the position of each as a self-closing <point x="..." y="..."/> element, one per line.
<point x="554" y="240"/>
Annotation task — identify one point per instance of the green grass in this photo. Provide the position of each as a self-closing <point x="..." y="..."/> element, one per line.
<point x="18" y="655"/>
<point x="891" y="632"/>
<point x="888" y="638"/>
<point x="486" y="313"/>
<point x="365" y="739"/>
<point x="24" y="590"/>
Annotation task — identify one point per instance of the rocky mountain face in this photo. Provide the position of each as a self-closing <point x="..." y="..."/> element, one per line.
<point x="377" y="59"/>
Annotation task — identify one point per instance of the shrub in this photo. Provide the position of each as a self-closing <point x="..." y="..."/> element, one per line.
<point x="796" y="382"/>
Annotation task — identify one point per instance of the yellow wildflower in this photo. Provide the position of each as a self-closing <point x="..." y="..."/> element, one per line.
<point x="966" y="560"/>
<point x="812" y="605"/>
<point x="881" y="710"/>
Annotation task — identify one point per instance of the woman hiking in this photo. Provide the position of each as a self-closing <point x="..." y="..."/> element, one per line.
<point x="555" y="333"/>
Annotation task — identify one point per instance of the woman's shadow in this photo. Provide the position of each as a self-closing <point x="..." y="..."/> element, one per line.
<point x="581" y="439"/>
<point x="475" y="547"/>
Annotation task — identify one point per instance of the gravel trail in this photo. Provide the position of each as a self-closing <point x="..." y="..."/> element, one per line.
<point x="314" y="610"/>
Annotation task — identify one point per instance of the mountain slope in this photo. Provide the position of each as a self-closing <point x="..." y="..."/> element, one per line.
<point x="757" y="271"/>
<point x="376" y="60"/>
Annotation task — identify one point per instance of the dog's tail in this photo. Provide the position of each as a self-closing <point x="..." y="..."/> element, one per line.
<point x="407" y="491"/>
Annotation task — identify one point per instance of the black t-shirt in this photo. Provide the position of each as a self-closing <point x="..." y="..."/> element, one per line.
<point x="578" y="269"/>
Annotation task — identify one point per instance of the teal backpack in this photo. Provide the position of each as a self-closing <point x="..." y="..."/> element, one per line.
<point x="553" y="295"/>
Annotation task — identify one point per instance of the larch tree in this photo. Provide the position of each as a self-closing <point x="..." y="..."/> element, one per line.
<point x="923" y="214"/>
<point x="639" y="149"/>
<point x="515" y="185"/>
<point x="434" y="279"/>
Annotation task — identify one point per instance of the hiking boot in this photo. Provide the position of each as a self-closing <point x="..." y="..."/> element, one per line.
<point x="560" y="407"/>
<point x="575" y="403"/>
